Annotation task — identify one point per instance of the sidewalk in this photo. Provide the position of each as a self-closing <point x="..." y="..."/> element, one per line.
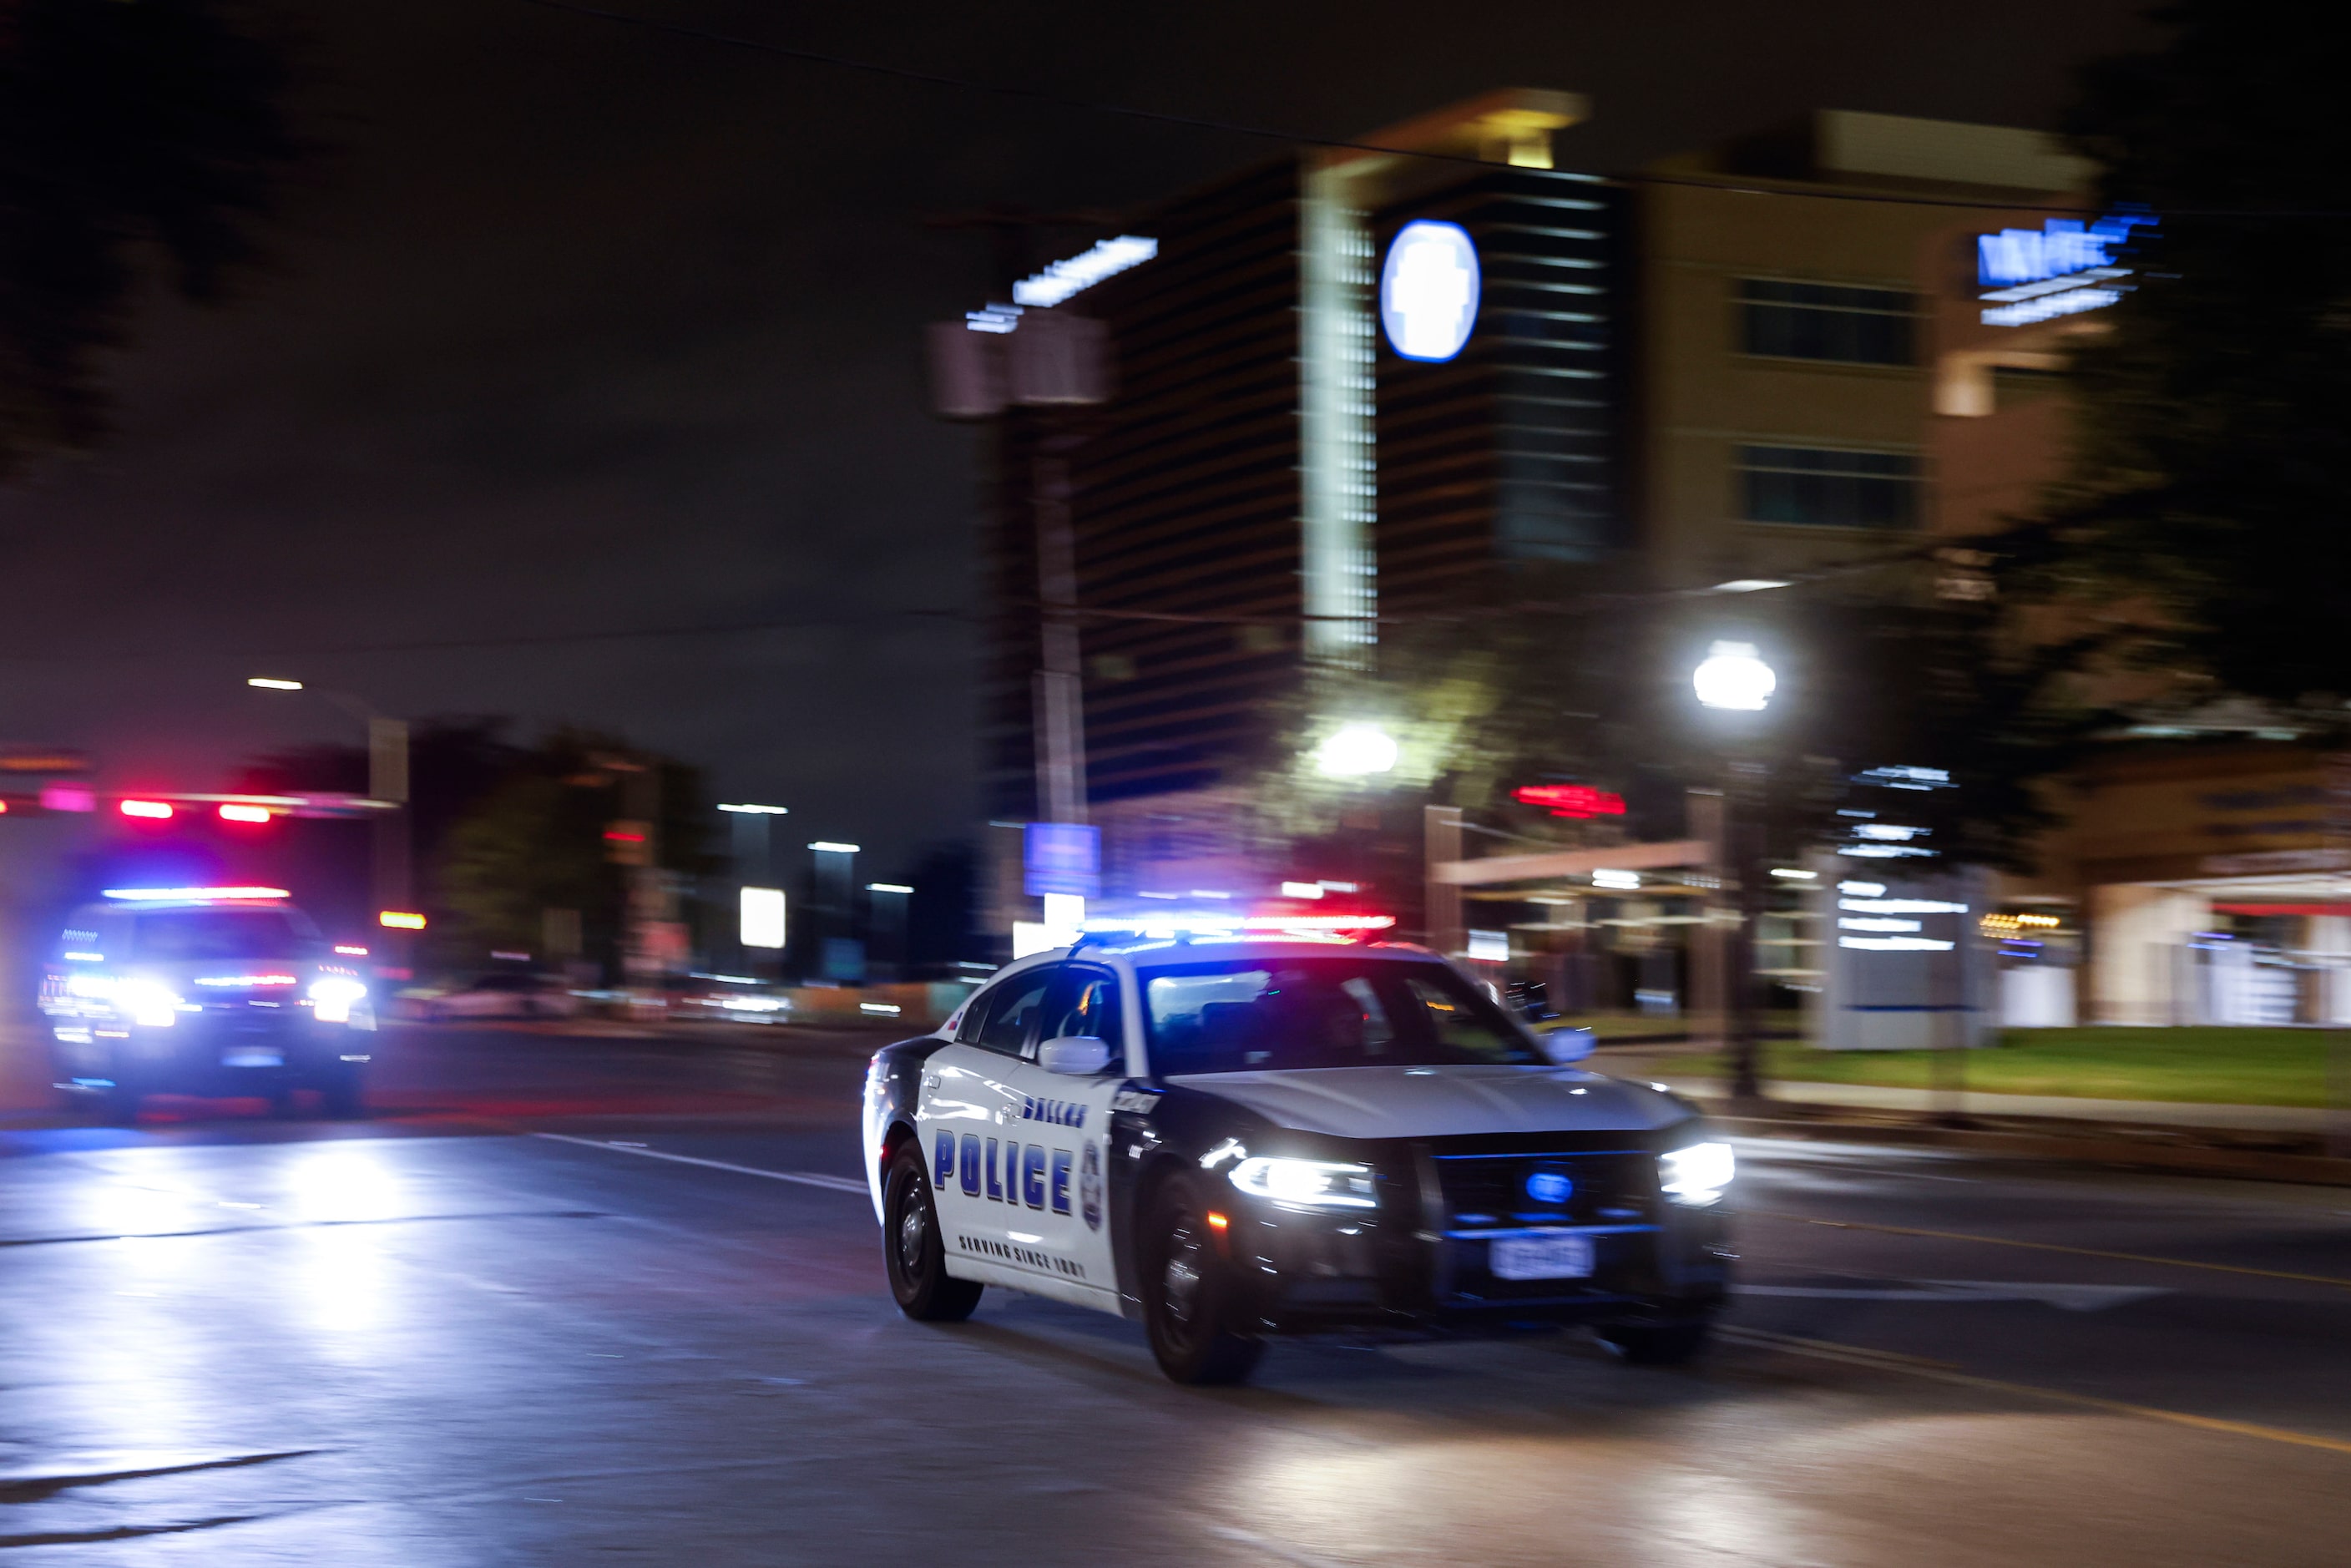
<point x="2145" y="1113"/>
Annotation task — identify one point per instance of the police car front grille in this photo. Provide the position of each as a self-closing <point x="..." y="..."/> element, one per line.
<point x="1487" y="1193"/>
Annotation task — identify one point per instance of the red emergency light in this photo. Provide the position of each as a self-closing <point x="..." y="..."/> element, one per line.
<point x="155" y="810"/>
<point x="1570" y="799"/>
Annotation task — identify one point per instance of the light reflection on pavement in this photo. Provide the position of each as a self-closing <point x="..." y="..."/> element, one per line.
<point x="436" y="1340"/>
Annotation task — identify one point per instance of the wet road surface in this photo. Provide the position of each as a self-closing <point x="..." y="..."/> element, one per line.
<point x="599" y="1300"/>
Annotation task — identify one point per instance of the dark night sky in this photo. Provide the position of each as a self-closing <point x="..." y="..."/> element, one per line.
<point x="579" y="326"/>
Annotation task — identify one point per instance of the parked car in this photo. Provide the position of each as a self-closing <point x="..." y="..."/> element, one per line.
<point x="508" y="995"/>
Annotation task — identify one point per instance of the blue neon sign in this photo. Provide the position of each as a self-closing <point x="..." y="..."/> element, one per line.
<point x="2058" y="248"/>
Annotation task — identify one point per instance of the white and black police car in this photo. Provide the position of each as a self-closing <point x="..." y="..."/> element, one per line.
<point x="1232" y="1139"/>
<point x="208" y="991"/>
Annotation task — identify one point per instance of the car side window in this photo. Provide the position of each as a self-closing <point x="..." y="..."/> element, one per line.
<point x="1014" y="1013"/>
<point x="1085" y="1002"/>
<point x="975" y="1014"/>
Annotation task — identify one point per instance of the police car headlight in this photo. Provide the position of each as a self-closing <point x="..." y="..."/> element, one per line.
<point x="91" y="986"/>
<point x="1306" y="1184"/>
<point x="148" y="1003"/>
<point x="332" y="996"/>
<point x="1697" y="1174"/>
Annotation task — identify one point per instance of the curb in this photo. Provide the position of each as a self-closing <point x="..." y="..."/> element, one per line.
<point x="2112" y="1152"/>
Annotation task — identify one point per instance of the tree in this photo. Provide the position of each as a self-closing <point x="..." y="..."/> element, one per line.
<point x="536" y="842"/>
<point x="130" y="131"/>
<point x="1594" y="687"/>
<point x="2202" y="526"/>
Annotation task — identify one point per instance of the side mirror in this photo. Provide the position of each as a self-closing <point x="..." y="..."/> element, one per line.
<point x="1077" y="1055"/>
<point x="1563" y="1046"/>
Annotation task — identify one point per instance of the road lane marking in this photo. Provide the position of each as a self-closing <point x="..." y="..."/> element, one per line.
<point x="805" y="1178"/>
<point x="298" y="1225"/>
<point x="2335" y="1279"/>
<point x="1861" y="1355"/>
<point x="2069" y="1298"/>
<point x="1273" y="1548"/>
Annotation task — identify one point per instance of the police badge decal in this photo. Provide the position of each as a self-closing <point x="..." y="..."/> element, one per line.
<point x="1090" y="1188"/>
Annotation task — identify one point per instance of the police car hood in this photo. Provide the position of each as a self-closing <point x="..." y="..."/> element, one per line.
<point x="1440" y="1101"/>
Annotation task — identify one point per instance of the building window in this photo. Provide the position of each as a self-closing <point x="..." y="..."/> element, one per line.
<point x="1823" y="321"/>
<point x="1828" y="489"/>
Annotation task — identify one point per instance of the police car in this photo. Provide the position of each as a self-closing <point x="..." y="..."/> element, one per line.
<point x="1231" y="1139"/>
<point x="212" y="991"/>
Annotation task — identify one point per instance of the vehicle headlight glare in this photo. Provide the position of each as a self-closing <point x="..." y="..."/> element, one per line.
<point x="332" y="997"/>
<point x="1696" y="1175"/>
<point x="148" y="1004"/>
<point x="1306" y="1184"/>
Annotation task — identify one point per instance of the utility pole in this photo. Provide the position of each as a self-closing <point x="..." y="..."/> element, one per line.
<point x="1058" y="684"/>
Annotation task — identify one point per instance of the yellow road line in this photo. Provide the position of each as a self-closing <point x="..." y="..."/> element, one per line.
<point x="2335" y="1280"/>
<point x="1860" y="1355"/>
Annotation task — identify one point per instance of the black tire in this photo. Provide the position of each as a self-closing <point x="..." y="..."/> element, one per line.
<point x="342" y="1094"/>
<point x="1656" y="1344"/>
<point x="913" y="1249"/>
<point x="1188" y="1294"/>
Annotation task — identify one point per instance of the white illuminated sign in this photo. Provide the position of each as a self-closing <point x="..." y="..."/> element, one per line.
<point x="763" y="917"/>
<point x="2062" y="268"/>
<point x="1490" y="946"/>
<point x="1063" y="278"/>
<point x="1429" y="290"/>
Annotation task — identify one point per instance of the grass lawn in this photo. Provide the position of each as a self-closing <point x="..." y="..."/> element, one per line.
<point x="1619" y="1025"/>
<point x="2218" y="1066"/>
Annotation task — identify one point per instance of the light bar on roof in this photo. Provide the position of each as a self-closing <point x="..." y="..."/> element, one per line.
<point x="192" y="894"/>
<point x="1244" y="923"/>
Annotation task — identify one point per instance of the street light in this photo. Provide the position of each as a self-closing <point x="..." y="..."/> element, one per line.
<point x="1734" y="677"/>
<point x="762" y="905"/>
<point x="843" y="956"/>
<point x="387" y="782"/>
<point x="1357" y="751"/>
<point x="887" y="905"/>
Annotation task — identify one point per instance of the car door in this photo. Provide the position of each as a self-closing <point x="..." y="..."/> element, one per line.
<point x="1061" y="1226"/>
<point x="969" y="1116"/>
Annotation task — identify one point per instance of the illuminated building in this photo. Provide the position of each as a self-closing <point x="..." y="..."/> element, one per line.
<point x="1270" y="462"/>
<point x="1692" y="380"/>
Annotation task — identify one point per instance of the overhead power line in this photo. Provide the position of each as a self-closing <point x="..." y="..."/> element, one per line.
<point x="1344" y="144"/>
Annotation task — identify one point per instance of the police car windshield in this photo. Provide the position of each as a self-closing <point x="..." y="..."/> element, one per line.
<point x="1250" y="1015"/>
<point x="207" y="936"/>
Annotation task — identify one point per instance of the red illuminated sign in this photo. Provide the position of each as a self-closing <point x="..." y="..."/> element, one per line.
<point x="1570" y="799"/>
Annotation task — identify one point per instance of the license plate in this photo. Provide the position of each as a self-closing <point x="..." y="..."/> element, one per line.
<point x="1540" y="1257"/>
<point x="252" y="1056"/>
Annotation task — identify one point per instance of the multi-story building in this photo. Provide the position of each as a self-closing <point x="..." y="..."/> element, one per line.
<point x="1270" y="474"/>
<point x="1796" y="350"/>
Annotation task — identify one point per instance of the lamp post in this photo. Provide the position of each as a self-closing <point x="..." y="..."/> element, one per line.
<point x="836" y="867"/>
<point x="757" y="895"/>
<point x="1734" y="679"/>
<point x="889" y="907"/>
<point x="387" y="780"/>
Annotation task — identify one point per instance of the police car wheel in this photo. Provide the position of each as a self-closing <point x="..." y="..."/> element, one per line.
<point x="1654" y="1344"/>
<point x="1188" y="1295"/>
<point x="914" y="1250"/>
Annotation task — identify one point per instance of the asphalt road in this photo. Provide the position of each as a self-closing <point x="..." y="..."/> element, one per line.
<point x="496" y="1326"/>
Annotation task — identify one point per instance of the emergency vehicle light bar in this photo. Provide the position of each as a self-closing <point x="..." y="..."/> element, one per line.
<point x="192" y="894"/>
<point x="1191" y="923"/>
